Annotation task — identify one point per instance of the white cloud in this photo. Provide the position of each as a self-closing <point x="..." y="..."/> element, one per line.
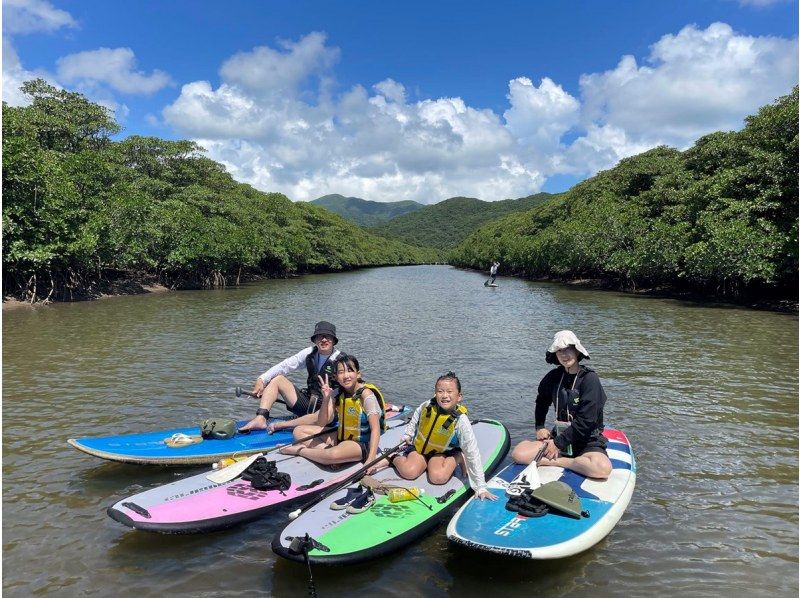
<point x="265" y="70"/>
<point x="29" y="16"/>
<point x="539" y="117"/>
<point x="110" y="66"/>
<point x="370" y="145"/>
<point x="391" y="90"/>
<point x="21" y="17"/>
<point x="698" y="81"/>
<point x="14" y="75"/>
<point x="95" y="73"/>
<point x="274" y="122"/>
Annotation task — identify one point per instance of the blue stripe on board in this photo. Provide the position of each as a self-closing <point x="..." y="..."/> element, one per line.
<point x="490" y="524"/>
<point x="619" y="446"/>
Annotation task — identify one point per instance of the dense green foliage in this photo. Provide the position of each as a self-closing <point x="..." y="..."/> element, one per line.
<point x="364" y="212"/>
<point x="444" y="225"/>
<point x="719" y="217"/>
<point x="80" y="208"/>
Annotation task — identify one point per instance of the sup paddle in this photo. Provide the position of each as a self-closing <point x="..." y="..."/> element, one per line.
<point x="348" y="480"/>
<point x="241" y="391"/>
<point x="528" y="477"/>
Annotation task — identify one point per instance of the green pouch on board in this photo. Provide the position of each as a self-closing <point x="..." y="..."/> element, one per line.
<point x="218" y="428"/>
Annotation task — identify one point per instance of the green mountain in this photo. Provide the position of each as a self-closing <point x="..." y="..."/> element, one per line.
<point x="364" y="212"/>
<point x="445" y="224"/>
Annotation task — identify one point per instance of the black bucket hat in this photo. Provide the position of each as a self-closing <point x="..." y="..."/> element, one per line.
<point x="325" y="328"/>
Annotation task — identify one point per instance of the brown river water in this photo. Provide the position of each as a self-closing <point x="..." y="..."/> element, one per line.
<point x="707" y="394"/>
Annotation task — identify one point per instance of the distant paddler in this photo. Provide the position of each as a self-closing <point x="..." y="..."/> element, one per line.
<point x="492" y="273"/>
<point x="303" y="402"/>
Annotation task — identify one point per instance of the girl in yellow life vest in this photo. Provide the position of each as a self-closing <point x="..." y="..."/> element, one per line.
<point x="360" y="410"/>
<point x="438" y="433"/>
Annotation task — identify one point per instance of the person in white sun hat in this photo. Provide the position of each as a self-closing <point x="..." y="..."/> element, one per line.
<point x="576" y="441"/>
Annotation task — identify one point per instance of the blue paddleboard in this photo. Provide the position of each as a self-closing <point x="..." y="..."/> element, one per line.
<point x="488" y="525"/>
<point x="150" y="448"/>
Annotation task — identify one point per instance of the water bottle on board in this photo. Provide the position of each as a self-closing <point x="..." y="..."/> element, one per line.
<point x="401" y="494"/>
<point x="222" y="463"/>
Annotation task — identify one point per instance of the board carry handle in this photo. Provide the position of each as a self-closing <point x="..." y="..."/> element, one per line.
<point x="348" y="480"/>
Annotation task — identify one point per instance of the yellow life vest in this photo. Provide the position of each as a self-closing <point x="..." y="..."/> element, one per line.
<point x="353" y="422"/>
<point x="436" y="428"/>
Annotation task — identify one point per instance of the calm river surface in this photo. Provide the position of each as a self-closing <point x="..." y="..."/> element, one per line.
<point x="708" y="396"/>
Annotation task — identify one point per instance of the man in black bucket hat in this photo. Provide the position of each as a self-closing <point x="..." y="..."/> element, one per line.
<point x="318" y="360"/>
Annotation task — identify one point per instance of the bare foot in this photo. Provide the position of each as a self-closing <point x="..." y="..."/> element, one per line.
<point x="259" y="422"/>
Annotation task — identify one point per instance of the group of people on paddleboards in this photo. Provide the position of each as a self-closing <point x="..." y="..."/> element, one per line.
<point x="439" y="435"/>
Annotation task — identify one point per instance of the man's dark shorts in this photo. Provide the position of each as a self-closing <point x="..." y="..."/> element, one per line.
<point x="305" y="403"/>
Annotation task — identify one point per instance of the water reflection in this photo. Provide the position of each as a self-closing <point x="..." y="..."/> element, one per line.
<point x="710" y="411"/>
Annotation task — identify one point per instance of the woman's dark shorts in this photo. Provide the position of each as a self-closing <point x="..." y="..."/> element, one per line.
<point x="595" y="445"/>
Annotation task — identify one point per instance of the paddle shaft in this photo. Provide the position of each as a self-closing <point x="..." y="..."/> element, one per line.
<point x="241" y="391"/>
<point x="349" y="479"/>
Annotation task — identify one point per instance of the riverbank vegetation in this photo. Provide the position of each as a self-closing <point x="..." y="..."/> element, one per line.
<point x="81" y="209"/>
<point x="84" y="212"/>
<point x="720" y="218"/>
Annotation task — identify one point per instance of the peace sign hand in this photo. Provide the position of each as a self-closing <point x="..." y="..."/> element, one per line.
<point x="327" y="391"/>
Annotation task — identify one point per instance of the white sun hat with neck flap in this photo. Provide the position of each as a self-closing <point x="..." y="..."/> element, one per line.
<point x="562" y="340"/>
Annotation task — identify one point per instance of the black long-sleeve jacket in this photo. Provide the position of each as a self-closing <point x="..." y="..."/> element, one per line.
<point x="585" y="408"/>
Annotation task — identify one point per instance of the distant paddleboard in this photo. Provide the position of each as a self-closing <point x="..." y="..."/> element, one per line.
<point x="488" y="525"/>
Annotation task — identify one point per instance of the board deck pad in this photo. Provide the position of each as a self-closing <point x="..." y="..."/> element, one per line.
<point x="387" y="526"/>
<point x="195" y="504"/>
<point x="149" y="448"/>
<point x="489" y="526"/>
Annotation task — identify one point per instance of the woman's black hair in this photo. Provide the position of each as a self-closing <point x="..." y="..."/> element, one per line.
<point x="347" y="360"/>
<point x="450" y="376"/>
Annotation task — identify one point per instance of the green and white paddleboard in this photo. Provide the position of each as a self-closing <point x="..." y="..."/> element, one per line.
<point x="340" y="537"/>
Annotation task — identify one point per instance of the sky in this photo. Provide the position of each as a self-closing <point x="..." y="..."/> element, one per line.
<point x="421" y="100"/>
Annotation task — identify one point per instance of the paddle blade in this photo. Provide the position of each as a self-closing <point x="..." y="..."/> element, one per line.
<point x="226" y="474"/>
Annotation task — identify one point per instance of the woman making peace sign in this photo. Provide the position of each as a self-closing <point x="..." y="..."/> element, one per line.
<point x="360" y="409"/>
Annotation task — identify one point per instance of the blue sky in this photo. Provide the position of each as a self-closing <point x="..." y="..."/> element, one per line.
<point x="411" y="100"/>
